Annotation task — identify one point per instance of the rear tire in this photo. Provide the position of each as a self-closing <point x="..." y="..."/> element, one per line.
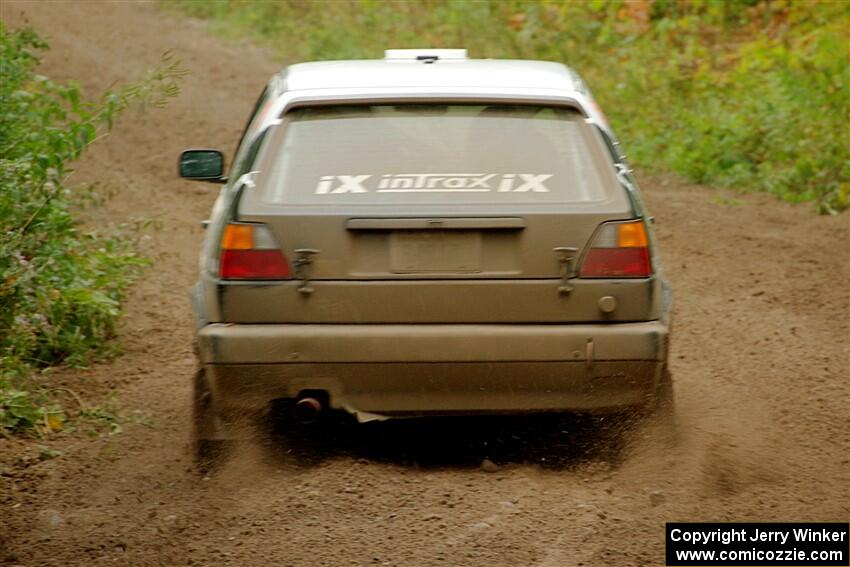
<point x="662" y="410"/>
<point x="209" y="445"/>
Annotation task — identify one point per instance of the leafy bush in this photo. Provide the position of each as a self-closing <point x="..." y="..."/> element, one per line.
<point x="745" y="94"/>
<point x="60" y="287"/>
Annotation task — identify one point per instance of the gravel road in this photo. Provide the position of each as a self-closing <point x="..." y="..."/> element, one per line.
<point x="760" y="360"/>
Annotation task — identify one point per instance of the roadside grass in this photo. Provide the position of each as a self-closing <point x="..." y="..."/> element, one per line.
<point x="746" y="94"/>
<point x="61" y="286"/>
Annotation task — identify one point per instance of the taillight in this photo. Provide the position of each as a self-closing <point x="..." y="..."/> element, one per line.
<point x="620" y="250"/>
<point x="249" y="251"/>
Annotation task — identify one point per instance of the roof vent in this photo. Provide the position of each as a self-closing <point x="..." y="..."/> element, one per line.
<point x="424" y="55"/>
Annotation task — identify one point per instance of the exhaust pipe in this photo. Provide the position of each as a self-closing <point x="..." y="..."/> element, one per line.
<point x="307" y="410"/>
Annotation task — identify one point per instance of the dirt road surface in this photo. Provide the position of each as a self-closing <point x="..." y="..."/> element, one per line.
<point x="760" y="361"/>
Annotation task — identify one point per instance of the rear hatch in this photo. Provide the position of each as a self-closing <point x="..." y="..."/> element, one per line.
<point x="433" y="213"/>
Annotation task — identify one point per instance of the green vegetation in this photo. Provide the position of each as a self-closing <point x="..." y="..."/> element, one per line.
<point x="60" y="286"/>
<point x="746" y="94"/>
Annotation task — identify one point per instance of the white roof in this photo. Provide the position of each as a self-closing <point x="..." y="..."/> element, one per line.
<point x="401" y="69"/>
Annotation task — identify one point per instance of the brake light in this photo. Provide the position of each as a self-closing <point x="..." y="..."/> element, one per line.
<point x="620" y="250"/>
<point x="249" y="251"/>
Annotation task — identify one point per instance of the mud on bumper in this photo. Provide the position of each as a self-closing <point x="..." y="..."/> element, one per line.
<point x="377" y="371"/>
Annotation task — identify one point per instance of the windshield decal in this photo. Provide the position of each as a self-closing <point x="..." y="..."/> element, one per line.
<point x="348" y="184"/>
<point x="434" y="183"/>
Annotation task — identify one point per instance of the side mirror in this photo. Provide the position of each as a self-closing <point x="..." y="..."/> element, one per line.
<point x="202" y="165"/>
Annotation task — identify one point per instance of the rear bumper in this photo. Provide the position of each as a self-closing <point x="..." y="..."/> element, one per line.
<point x="397" y="370"/>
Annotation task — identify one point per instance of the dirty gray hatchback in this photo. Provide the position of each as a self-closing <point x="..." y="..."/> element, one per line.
<point x="426" y="235"/>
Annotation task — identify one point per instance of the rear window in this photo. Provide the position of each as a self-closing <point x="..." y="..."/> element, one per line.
<point x="434" y="154"/>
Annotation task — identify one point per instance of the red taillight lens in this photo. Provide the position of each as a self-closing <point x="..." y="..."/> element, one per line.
<point x="616" y="263"/>
<point x="250" y="252"/>
<point x="620" y="250"/>
<point x="253" y="265"/>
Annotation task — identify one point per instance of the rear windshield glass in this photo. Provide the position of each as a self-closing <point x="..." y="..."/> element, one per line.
<point x="434" y="154"/>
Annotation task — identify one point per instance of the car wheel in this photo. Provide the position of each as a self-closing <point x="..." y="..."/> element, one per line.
<point x="208" y="442"/>
<point x="662" y="410"/>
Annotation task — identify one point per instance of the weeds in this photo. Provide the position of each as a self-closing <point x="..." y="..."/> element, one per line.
<point x="746" y="94"/>
<point x="60" y="287"/>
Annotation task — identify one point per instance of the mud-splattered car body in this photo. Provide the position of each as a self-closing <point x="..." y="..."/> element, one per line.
<point x="428" y="234"/>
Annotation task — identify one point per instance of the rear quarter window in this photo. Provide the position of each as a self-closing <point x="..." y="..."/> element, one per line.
<point x="435" y="154"/>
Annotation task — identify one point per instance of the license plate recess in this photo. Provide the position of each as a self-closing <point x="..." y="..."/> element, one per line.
<point x="430" y="251"/>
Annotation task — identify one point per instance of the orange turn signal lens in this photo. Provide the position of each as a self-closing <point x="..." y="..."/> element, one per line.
<point x="237" y="237"/>
<point x="631" y="235"/>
